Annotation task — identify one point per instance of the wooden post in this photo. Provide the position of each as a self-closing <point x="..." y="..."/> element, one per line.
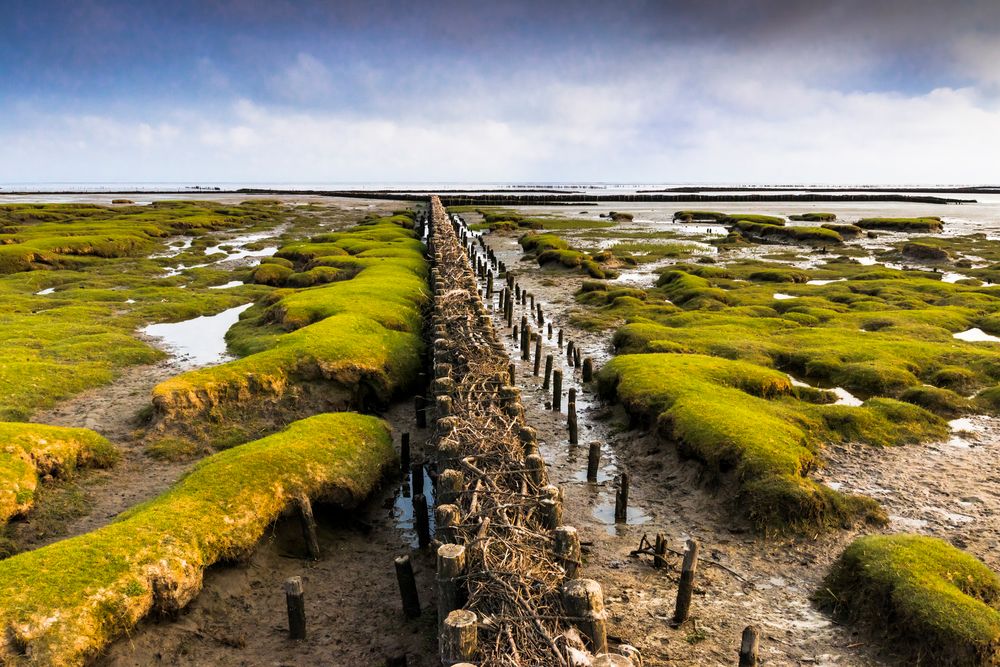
<point x="569" y="352"/>
<point x="407" y="586"/>
<point x="588" y="369"/>
<point x="420" y="406"/>
<point x="531" y="297"/>
<point x="417" y="478"/>
<point x="548" y="372"/>
<point x="572" y="424"/>
<point x="511" y="373"/>
<point x="536" y="469"/>
<point x="444" y="406"/>
<point x="571" y="395"/>
<point x="538" y="353"/>
<point x="446" y="520"/>
<point x="593" y="461"/>
<point x="459" y="638"/>
<point x="567" y="548"/>
<point x="688" y="568"/>
<point x="576" y="357"/>
<point x="516" y="334"/>
<point x="541" y="318"/>
<point x="421" y="521"/>
<point x="404" y="453"/>
<point x="560" y="339"/>
<point x="660" y="552"/>
<point x="621" y="499"/>
<point x="550" y="330"/>
<point x="526" y="343"/>
<point x="450" y="485"/>
<point x="489" y="285"/>
<point x="557" y="390"/>
<point x="308" y="526"/>
<point x="295" y="600"/>
<point x="584" y="602"/>
<point x="450" y="566"/>
<point x="749" y="647"/>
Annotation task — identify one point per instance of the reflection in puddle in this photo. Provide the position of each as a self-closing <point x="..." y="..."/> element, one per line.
<point x="200" y="341"/>
<point x="780" y="297"/>
<point x="976" y="335"/>
<point x="825" y="282"/>
<point x="231" y="283"/>
<point x="604" y="512"/>
<point x="402" y="509"/>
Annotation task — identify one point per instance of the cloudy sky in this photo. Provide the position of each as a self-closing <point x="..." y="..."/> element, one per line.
<point x="773" y="91"/>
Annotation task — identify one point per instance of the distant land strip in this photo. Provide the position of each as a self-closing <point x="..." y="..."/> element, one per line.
<point x="963" y="190"/>
<point x="485" y="198"/>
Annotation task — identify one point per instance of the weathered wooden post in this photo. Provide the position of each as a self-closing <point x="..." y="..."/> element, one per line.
<point x="560" y="339"/>
<point x="421" y="521"/>
<point x="569" y="352"/>
<point x="407" y="586"/>
<point x="749" y="647"/>
<point x="584" y="602"/>
<point x="450" y="485"/>
<point x="660" y="552"/>
<point x="308" y="526"/>
<point x="459" y="638"/>
<point x="588" y="369"/>
<point x="593" y="461"/>
<point x="526" y="343"/>
<point x="420" y="406"/>
<point x="416" y="478"/>
<point x="538" y="353"/>
<point x="576" y="357"/>
<point x="444" y="406"/>
<point x="550" y="330"/>
<point x="536" y="469"/>
<point x="567" y="548"/>
<point x="446" y="521"/>
<point x="557" y="390"/>
<point x="450" y="566"/>
<point x="541" y="318"/>
<point x="686" y="587"/>
<point x="489" y="285"/>
<point x="295" y="601"/>
<point x="511" y="373"/>
<point x="548" y="372"/>
<point x="621" y="499"/>
<point x="404" y="453"/>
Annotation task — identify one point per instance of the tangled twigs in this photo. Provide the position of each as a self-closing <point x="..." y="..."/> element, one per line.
<point x="512" y="577"/>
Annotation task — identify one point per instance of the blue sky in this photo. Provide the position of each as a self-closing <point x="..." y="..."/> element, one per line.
<point x="771" y="91"/>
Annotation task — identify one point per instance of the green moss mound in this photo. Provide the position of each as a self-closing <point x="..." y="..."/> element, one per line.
<point x="29" y="452"/>
<point x="742" y="419"/>
<point x="931" y="601"/>
<point x="551" y="249"/>
<point x="772" y="233"/>
<point x="926" y="224"/>
<point x="814" y="217"/>
<point x="352" y="343"/>
<point x="63" y="603"/>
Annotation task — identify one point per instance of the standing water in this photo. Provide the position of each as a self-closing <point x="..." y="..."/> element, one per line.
<point x="200" y="341"/>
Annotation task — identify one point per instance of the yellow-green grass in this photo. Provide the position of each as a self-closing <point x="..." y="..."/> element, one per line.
<point x="29" y="452"/>
<point x="814" y="216"/>
<point x="63" y="603"/>
<point x="550" y="249"/>
<point x="83" y="333"/>
<point x="933" y="603"/>
<point x="746" y="420"/>
<point x="923" y="224"/>
<point x="353" y="343"/>
<point x="773" y="233"/>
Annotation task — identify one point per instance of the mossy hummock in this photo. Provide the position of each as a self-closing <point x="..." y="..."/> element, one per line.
<point x="63" y="603"/>
<point x="29" y="452"/>
<point x="350" y="344"/>
<point x="934" y="603"/>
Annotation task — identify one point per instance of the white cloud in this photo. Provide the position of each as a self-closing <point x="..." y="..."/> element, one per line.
<point x="304" y="81"/>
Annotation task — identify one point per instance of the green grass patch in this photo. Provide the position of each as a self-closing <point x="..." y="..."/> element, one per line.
<point x="926" y="224"/>
<point x="814" y="217"/>
<point x="65" y="602"/>
<point x="929" y="600"/>
<point x="30" y="452"/>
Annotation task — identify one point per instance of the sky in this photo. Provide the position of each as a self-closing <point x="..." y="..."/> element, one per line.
<point x="275" y="91"/>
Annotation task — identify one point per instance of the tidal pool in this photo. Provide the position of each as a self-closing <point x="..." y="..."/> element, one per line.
<point x="200" y="341"/>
